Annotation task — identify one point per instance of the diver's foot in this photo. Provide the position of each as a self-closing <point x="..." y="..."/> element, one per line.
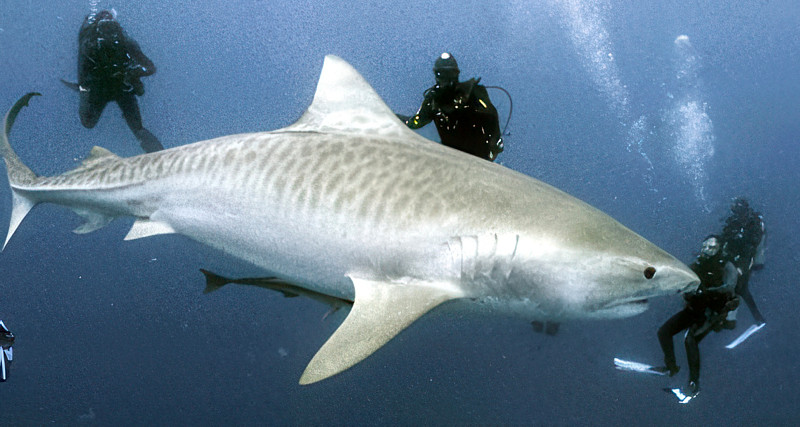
<point x="671" y="369"/>
<point x="685" y="396"/>
<point x="148" y="141"/>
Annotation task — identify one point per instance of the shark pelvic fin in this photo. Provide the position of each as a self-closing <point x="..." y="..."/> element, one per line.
<point x="380" y="311"/>
<point x="145" y="227"/>
<point x="345" y="103"/>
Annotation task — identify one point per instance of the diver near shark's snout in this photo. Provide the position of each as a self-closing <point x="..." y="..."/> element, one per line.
<point x="723" y="266"/>
<point x="6" y="351"/>
<point x="110" y="67"/>
<point x="464" y="116"/>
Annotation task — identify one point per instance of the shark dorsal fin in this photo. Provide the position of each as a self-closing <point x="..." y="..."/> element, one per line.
<point x="96" y="155"/>
<point x="380" y="311"/>
<point x="345" y="103"/>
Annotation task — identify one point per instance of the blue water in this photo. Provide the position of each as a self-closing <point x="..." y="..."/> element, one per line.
<point x="611" y="104"/>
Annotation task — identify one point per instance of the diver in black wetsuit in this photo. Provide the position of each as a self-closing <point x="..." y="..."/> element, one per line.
<point x="744" y="234"/>
<point x="465" y="117"/>
<point x="110" y="68"/>
<point x="707" y="309"/>
<point x="6" y="351"/>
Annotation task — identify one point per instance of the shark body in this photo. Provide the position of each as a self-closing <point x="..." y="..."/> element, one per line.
<point x="348" y="202"/>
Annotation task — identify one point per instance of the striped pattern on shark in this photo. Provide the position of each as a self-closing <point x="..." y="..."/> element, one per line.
<point x="350" y="203"/>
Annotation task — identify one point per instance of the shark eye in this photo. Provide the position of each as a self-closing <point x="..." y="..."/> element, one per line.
<point x="649" y="272"/>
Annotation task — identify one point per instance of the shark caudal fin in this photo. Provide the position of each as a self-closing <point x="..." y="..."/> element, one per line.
<point x="18" y="173"/>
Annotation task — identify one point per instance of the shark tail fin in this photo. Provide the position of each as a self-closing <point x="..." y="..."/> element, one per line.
<point x="213" y="281"/>
<point x="18" y="173"/>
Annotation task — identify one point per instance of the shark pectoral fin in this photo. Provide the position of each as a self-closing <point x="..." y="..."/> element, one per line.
<point x="144" y="227"/>
<point x="380" y="311"/>
<point x="94" y="221"/>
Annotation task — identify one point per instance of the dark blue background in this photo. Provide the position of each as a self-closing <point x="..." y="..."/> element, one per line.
<point x="114" y="332"/>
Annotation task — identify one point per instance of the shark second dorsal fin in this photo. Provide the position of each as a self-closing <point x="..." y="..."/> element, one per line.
<point x="345" y="103"/>
<point x="380" y="311"/>
<point x="96" y="155"/>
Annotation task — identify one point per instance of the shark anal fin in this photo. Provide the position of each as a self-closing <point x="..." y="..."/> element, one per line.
<point x="380" y="311"/>
<point x="144" y="227"/>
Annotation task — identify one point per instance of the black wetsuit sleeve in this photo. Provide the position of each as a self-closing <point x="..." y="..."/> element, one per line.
<point x="486" y="115"/>
<point x="86" y="63"/>
<point x="424" y="115"/>
<point x="483" y="106"/>
<point x="139" y="65"/>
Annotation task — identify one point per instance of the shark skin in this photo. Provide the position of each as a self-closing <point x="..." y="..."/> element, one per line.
<point x="349" y="202"/>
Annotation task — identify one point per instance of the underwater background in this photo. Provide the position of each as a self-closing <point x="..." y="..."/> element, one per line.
<point x="658" y="113"/>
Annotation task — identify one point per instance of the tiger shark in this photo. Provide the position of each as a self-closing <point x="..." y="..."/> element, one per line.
<point x="349" y="202"/>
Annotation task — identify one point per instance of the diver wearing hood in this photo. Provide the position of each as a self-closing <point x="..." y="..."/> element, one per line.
<point x="110" y="67"/>
<point x="464" y="116"/>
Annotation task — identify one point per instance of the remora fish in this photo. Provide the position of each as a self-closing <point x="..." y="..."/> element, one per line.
<point x="349" y="202"/>
<point x="215" y="281"/>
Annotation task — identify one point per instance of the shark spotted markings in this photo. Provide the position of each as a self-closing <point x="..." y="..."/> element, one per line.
<point x="350" y="203"/>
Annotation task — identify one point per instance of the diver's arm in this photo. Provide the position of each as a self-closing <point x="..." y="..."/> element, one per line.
<point x="484" y="108"/>
<point x="729" y="279"/>
<point x="423" y="116"/>
<point x="140" y="65"/>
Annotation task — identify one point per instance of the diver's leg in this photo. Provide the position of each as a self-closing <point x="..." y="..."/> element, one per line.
<point x="751" y="304"/>
<point x="693" y="356"/>
<point x="675" y="324"/>
<point x="130" y="110"/>
<point x="91" y="108"/>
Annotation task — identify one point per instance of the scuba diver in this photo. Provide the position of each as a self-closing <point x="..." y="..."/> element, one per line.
<point x="723" y="266"/>
<point x="744" y="235"/>
<point x="710" y="308"/>
<point x="6" y="341"/>
<point x="110" y="68"/>
<point x="464" y="116"/>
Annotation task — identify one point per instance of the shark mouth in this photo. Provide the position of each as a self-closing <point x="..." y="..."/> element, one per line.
<point x="633" y="302"/>
<point x="622" y="308"/>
